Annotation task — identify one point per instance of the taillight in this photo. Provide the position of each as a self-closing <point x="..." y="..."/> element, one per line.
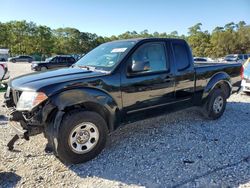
<point x="2" y="66"/>
<point x="242" y="72"/>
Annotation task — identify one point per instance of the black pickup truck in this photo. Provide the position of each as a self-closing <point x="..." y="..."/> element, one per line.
<point x="116" y="83"/>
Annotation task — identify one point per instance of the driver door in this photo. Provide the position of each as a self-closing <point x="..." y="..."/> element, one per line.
<point x="151" y="87"/>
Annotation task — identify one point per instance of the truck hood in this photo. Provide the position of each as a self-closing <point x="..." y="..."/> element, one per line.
<point x="35" y="81"/>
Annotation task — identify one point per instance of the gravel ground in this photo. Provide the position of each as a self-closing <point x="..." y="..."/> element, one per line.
<point x="181" y="149"/>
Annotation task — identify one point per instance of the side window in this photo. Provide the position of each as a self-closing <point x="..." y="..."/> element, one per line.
<point x="71" y="60"/>
<point x="54" y="60"/>
<point x="245" y="56"/>
<point x="152" y="55"/>
<point x="181" y="56"/>
<point x="65" y="59"/>
<point x="61" y="59"/>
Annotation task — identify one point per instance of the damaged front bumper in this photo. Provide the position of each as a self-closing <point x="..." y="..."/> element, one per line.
<point x="21" y="127"/>
<point x="29" y="123"/>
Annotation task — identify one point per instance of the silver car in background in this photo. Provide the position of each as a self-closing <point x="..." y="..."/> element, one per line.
<point x="240" y="58"/>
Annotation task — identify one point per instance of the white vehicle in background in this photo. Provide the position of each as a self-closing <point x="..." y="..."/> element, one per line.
<point x="245" y="75"/>
<point x="202" y="59"/>
<point x="4" y="54"/>
<point x="240" y="58"/>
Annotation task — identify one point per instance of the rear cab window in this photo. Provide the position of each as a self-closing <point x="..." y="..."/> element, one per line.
<point x="181" y="55"/>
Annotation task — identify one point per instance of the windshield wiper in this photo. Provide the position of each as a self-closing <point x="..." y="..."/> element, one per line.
<point x="90" y="68"/>
<point x="85" y="67"/>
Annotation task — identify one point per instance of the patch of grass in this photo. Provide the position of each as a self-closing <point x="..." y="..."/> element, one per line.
<point x="3" y="88"/>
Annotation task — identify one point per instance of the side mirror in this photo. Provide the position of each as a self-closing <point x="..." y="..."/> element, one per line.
<point x="140" y="66"/>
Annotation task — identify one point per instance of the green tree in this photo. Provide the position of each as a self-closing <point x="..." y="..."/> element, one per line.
<point x="199" y="40"/>
<point x="23" y="37"/>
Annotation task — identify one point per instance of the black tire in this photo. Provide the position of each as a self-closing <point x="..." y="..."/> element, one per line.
<point x="43" y="69"/>
<point x="13" y="61"/>
<point x="71" y="121"/>
<point x="209" y="110"/>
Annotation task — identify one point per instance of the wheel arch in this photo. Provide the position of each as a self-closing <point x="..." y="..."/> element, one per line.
<point x="219" y="80"/>
<point x="90" y="99"/>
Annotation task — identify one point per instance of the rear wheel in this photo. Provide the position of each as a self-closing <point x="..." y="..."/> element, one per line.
<point x="82" y="136"/>
<point x="215" y="105"/>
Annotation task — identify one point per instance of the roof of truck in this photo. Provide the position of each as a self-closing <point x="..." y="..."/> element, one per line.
<point x="141" y="39"/>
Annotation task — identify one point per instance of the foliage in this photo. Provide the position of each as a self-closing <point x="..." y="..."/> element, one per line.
<point x="23" y="37"/>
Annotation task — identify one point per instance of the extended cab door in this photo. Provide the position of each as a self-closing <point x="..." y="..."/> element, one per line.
<point x="184" y="70"/>
<point x="151" y="87"/>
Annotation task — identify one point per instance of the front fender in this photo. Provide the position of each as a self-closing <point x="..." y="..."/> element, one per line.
<point x="78" y="96"/>
<point x="92" y="96"/>
<point x="218" y="78"/>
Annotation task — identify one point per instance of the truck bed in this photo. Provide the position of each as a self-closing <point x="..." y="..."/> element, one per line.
<point x="205" y="64"/>
<point x="205" y="71"/>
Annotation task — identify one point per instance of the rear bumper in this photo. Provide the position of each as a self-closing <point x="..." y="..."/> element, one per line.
<point x="245" y="86"/>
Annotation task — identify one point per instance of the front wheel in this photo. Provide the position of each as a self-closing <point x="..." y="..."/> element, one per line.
<point x="82" y="136"/>
<point x="215" y="105"/>
<point x="43" y="68"/>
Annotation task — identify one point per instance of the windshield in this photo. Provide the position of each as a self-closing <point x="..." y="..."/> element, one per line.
<point x="106" y="56"/>
<point x="48" y="59"/>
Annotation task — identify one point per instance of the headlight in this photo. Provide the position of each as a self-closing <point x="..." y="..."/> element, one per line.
<point x="8" y="92"/>
<point x="29" y="99"/>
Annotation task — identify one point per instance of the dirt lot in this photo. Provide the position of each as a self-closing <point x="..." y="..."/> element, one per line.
<point x="181" y="149"/>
